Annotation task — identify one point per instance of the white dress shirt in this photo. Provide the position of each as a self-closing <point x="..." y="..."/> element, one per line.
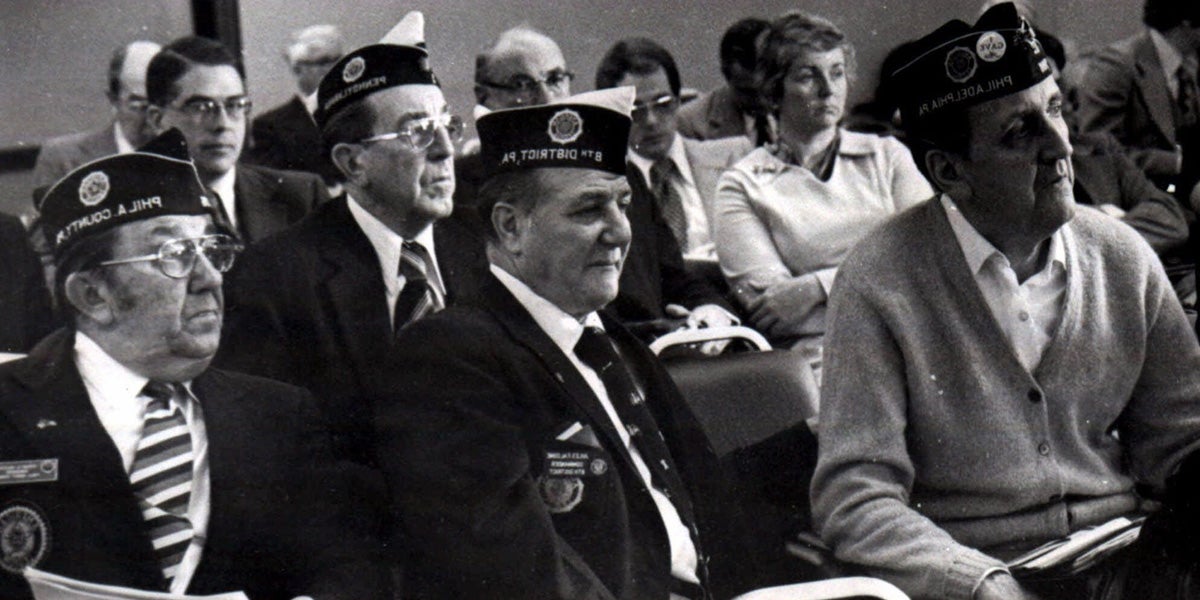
<point x="699" y="241"/>
<point x="387" y="244"/>
<point x="565" y="331"/>
<point x="115" y="394"/>
<point x="224" y="188"/>
<point x="124" y="146"/>
<point x="1028" y="312"/>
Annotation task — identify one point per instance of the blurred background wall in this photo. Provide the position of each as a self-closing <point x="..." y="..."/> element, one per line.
<point x="54" y="53"/>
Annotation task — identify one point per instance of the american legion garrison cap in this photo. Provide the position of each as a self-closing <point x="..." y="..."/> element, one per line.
<point x="589" y="130"/>
<point x="156" y="180"/>
<point x="959" y="65"/>
<point x="398" y="59"/>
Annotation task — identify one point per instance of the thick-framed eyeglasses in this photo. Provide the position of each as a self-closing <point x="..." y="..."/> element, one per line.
<point x="661" y="106"/>
<point x="199" y="109"/>
<point x="525" y="86"/>
<point x="420" y="133"/>
<point x="177" y="258"/>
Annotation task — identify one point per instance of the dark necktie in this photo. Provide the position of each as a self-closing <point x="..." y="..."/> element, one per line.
<point x="418" y="298"/>
<point x="161" y="476"/>
<point x="1188" y="97"/>
<point x="596" y="350"/>
<point x="663" y="174"/>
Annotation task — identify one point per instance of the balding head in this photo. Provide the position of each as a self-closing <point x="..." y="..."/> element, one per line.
<point x="127" y="89"/>
<point x="523" y="67"/>
<point x="312" y="51"/>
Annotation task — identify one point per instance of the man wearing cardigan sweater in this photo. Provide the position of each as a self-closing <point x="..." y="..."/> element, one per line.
<point x="1002" y="367"/>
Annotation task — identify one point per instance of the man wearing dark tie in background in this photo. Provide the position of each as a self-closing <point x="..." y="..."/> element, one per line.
<point x="533" y="448"/>
<point x="194" y="85"/>
<point x="320" y="304"/>
<point x="126" y="460"/>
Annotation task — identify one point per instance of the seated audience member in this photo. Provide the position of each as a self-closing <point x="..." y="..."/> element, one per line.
<point x="1022" y="363"/>
<point x="533" y="448"/>
<point x="673" y="179"/>
<point x="786" y="215"/>
<point x="128" y="129"/>
<point x="1142" y="91"/>
<point x="24" y="297"/>
<point x="319" y="304"/>
<point x="194" y="85"/>
<point x="144" y="467"/>
<point x="287" y="137"/>
<point x="733" y="109"/>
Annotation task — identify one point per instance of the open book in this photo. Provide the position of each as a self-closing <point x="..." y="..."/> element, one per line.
<point x="48" y="586"/>
<point x="1078" y="551"/>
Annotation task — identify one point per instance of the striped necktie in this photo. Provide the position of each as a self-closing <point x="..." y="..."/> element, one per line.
<point x="161" y="476"/>
<point x="418" y="297"/>
<point x="663" y="174"/>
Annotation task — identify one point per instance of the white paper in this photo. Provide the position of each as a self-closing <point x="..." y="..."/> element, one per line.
<point x="48" y="586"/>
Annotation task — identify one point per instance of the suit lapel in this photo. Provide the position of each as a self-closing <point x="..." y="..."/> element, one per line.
<point x="257" y="212"/>
<point x="353" y="287"/>
<point x="61" y="423"/>
<point x="511" y="314"/>
<point x="1153" y="85"/>
<point x="220" y="404"/>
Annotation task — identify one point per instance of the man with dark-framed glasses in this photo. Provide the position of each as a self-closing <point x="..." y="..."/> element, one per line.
<point x="194" y="85"/>
<point x="319" y="305"/>
<point x="127" y="460"/>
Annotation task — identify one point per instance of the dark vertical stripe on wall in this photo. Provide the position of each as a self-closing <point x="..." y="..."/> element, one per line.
<point x="220" y="20"/>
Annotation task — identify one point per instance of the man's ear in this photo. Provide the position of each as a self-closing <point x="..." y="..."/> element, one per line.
<point x="348" y="158"/>
<point x="506" y="220"/>
<point x="945" y="172"/>
<point x="154" y="116"/>
<point x="90" y="295"/>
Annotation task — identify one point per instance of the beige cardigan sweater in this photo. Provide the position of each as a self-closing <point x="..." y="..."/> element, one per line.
<point x="936" y="443"/>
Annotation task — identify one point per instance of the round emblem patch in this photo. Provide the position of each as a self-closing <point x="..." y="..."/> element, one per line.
<point x="354" y="69"/>
<point x="94" y="188"/>
<point x="24" y="537"/>
<point x="960" y="64"/>
<point x="991" y="46"/>
<point x="599" y="466"/>
<point x="560" y="494"/>
<point x="565" y="126"/>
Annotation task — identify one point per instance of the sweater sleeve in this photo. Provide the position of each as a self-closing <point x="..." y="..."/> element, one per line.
<point x="744" y="246"/>
<point x="864" y="475"/>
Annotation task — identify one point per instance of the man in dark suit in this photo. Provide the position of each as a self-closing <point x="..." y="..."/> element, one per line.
<point x="1142" y="91"/>
<point x="319" y="304"/>
<point x="127" y="461"/>
<point x="286" y="137"/>
<point x="194" y="85"/>
<point x="532" y="447"/>
<point x="24" y="297"/>
<point x="128" y="129"/>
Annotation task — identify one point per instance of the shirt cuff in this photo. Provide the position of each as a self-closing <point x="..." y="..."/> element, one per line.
<point x="967" y="572"/>
<point x="986" y="574"/>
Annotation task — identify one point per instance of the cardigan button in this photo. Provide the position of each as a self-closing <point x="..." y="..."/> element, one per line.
<point x="1035" y="396"/>
<point x="1044" y="449"/>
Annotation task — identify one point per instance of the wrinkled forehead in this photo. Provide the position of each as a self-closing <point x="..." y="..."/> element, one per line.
<point x="414" y="100"/>
<point x="148" y="234"/>
<point x="528" y="55"/>
<point x="998" y="112"/>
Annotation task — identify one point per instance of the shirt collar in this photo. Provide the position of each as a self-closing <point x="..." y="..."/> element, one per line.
<point x="124" y="146"/>
<point x="310" y="102"/>
<point x="387" y="243"/>
<point x="224" y="186"/>
<point x="978" y="250"/>
<point x="676" y="153"/>
<point x="562" y="328"/>
<point x="118" y="385"/>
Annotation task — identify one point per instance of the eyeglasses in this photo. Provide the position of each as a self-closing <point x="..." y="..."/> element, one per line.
<point x="420" y="133"/>
<point x="135" y="103"/>
<point x="525" y="86"/>
<point x="177" y="258"/>
<point x="661" y="106"/>
<point x="207" y="108"/>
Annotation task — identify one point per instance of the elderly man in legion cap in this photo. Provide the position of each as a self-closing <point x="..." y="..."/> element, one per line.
<point x="320" y="305"/>
<point x="125" y="459"/>
<point x="1004" y="368"/>
<point x="533" y="448"/>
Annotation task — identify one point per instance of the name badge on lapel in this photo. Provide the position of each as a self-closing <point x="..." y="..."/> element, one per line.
<point x="35" y="470"/>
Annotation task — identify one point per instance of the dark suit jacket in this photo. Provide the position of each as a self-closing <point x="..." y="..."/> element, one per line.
<point x="1104" y="175"/>
<point x="286" y="137"/>
<point x="24" y="299"/>
<point x="1122" y="91"/>
<point x="474" y="400"/>
<point x="269" y="200"/>
<point x="62" y="154"/>
<point x="280" y="523"/>
<point x="654" y="274"/>
<point x="308" y="307"/>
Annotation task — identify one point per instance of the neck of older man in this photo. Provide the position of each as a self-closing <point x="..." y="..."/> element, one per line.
<point x="399" y="217"/>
